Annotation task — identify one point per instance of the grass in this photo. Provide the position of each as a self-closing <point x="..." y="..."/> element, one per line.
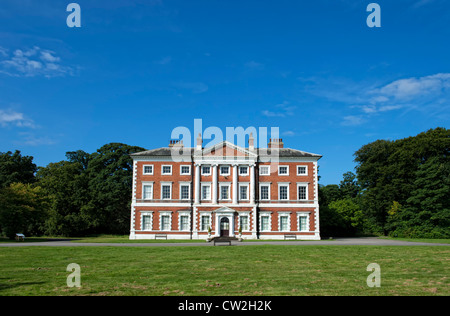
<point x="437" y="241"/>
<point x="103" y="239"/>
<point x="125" y="239"/>
<point x="222" y="271"/>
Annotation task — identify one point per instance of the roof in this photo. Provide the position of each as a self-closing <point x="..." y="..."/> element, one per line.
<point x="282" y="152"/>
<point x="163" y="151"/>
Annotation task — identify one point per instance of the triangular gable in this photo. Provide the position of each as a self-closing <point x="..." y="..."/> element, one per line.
<point x="224" y="209"/>
<point x="227" y="149"/>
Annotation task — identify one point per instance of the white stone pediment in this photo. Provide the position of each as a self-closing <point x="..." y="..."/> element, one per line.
<point x="224" y="209"/>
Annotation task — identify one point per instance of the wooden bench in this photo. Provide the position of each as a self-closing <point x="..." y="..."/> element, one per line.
<point x="287" y="236"/>
<point x="20" y="237"/>
<point x="222" y="240"/>
<point x="161" y="236"/>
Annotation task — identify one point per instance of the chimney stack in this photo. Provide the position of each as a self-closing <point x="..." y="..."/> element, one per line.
<point x="199" y="142"/>
<point x="275" y="143"/>
<point x="175" y="143"/>
<point x="251" y="142"/>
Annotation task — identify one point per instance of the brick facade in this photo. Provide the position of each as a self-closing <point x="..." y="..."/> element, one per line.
<point x="225" y="190"/>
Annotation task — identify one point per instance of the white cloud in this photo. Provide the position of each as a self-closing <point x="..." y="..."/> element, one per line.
<point x="47" y="56"/>
<point x="33" y="62"/>
<point x="428" y="95"/>
<point x="9" y="117"/>
<point x="280" y="110"/>
<point x="3" y="52"/>
<point x="33" y="140"/>
<point x="404" y="89"/>
<point x="288" y="133"/>
<point x="352" y="120"/>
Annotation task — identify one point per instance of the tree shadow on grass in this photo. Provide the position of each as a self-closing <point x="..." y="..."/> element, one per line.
<point x="10" y="285"/>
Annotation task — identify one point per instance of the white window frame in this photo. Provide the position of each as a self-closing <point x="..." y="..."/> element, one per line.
<point x="284" y="214"/>
<point x="281" y="184"/>
<point x="188" y="184"/>
<point x="282" y="166"/>
<point x="147" y="173"/>
<point x="265" y="214"/>
<point x="305" y="215"/>
<point x="306" y="170"/>
<point x="186" y="214"/>
<point x="225" y="184"/>
<point x="162" y="170"/>
<point x="185" y="174"/>
<point x="244" y="214"/>
<point x="264" y="174"/>
<point x="247" y="185"/>
<point x="208" y="215"/>
<point x="144" y="184"/>
<point x="171" y="191"/>
<point x="203" y="173"/>
<point x="225" y="174"/>
<point x="150" y="214"/>
<point x="201" y="191"/>
<point x="243" y="174"/>
<point x="306" y="185"/>
<point x="165" y="213"/>
<point x="264" y="184"/>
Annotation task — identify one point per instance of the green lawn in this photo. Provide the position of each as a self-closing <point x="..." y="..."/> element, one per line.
<point x="220" y="271"/>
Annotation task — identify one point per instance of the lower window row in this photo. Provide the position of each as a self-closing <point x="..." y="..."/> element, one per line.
<point x="265" y="222"/>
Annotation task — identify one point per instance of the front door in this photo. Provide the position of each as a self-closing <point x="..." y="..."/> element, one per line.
<point x="224" y="227"/>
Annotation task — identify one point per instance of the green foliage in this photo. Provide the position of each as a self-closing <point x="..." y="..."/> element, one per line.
<point x="16" y="168"/>
<point x="349" y="186"/>
<point x="340" y="212"/>
<point x="412" y="172"/>
<point x="91" y="193"/>
<point x="402" y="189"/>
<point x="349" y="213"/>
<point x="427" y="211"/>
<point x="110" y="172"/>
<point x="67" y="185"/>
<point x="23" y="209"/>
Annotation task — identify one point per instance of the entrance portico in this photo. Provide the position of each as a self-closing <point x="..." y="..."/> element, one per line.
<point x="225" y="222"/>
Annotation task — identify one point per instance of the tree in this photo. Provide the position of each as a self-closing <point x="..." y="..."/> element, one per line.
<point x="110" y="173"/>
<point x="16" y="168"/>
<point x="329" y="193"/>
<point x="428" y="207"/>
<point x="67" y="185"/>
<point x="349" y="186"/>
<point x="349" y="215"/>
<point x="23" y="209"/>
<point x="388" y="171"/>
<point x="79" y="156"/>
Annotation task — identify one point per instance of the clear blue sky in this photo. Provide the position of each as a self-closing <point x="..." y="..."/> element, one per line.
<point x="135" y="70"/>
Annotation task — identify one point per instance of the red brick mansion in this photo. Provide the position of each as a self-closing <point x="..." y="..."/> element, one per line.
<point x="225" y="190"/>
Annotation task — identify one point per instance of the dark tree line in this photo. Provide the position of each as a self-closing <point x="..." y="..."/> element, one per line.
<point x="84" y="194"/>
<point x="400" y="188"/>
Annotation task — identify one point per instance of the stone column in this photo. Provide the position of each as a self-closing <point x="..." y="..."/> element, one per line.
<point x="235" y="184"/>
<point x="214" y="184"/>
<point x="197" y="184"/>
<point x="252" y="184"/>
